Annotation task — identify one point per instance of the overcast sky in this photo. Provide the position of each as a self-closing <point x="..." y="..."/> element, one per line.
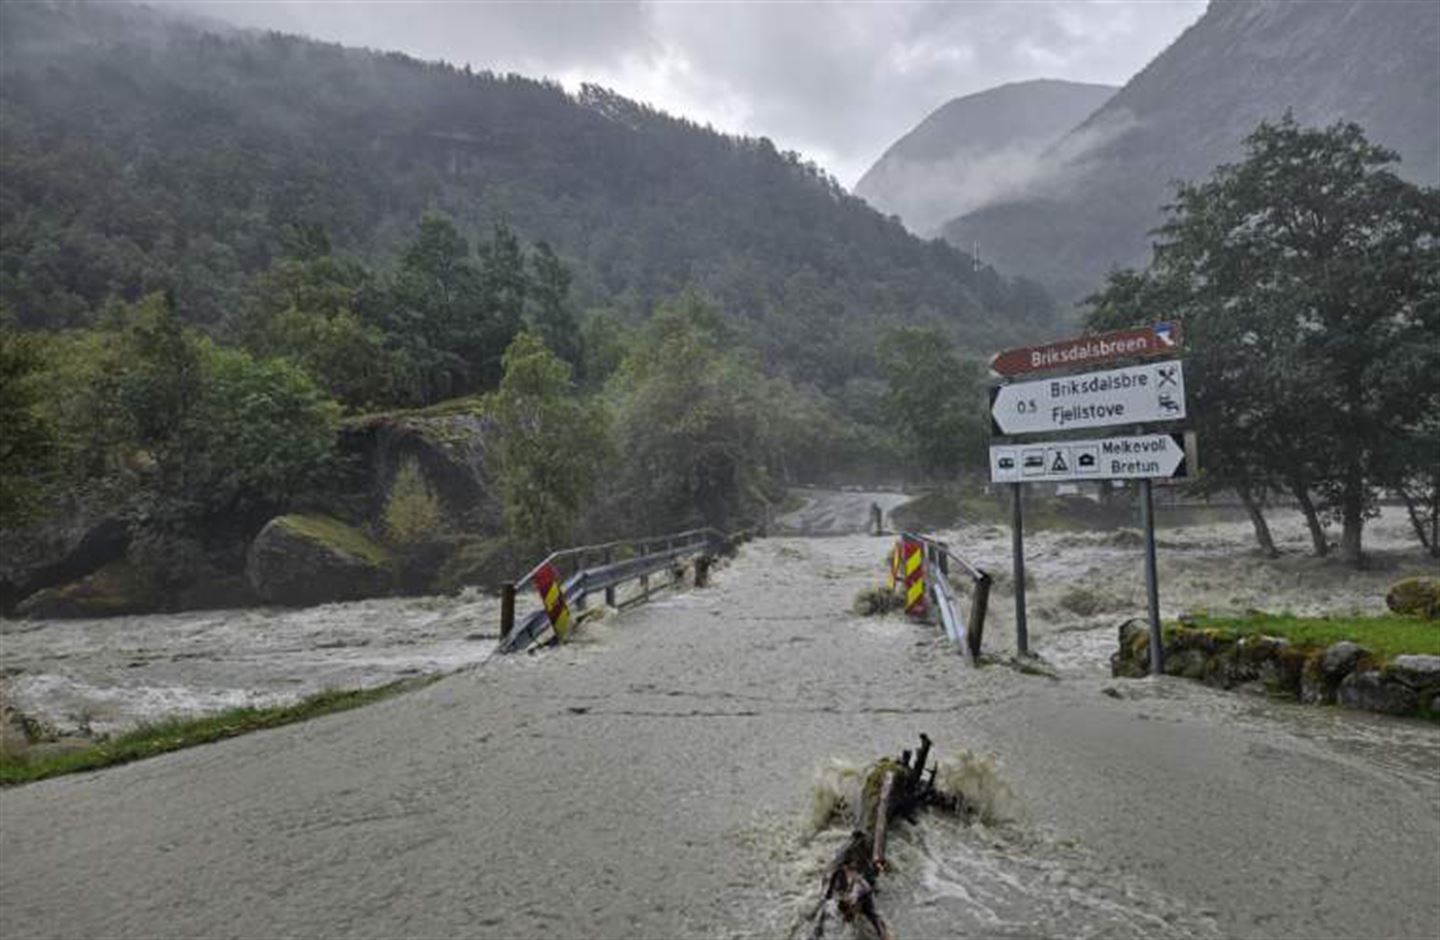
<point x="838" y="82"/>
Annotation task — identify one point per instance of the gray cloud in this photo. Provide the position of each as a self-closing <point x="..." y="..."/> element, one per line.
<point x="836" y="81"/>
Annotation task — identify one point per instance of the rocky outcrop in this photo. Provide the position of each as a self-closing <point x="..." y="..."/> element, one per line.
<point x="1419" y="597"/>
<point x="451" y="444"/>
<point x="1343" y="673"/>
<point x="300" y="560"/>
<point x="117" y="589"/>
<point x="70" y="545"/>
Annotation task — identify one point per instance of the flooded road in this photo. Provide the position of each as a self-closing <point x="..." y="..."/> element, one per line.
<point x="660" y="777"/>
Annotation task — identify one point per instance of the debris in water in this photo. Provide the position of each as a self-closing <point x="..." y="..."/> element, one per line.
<point x="878" y="600"/>
<point x="887" y="790"/>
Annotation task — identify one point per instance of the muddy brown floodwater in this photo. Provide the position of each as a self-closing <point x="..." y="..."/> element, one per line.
<point x="660" y="778"/>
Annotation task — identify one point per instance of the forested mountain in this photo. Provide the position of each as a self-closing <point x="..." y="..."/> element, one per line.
<point x="974" y="150"/>
<point x="144" y="152"/>
<point x="1376" y="64"/>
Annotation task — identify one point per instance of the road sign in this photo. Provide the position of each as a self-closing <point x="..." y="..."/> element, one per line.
<point x="1133" y="395"/>
<point x="1159" y="339"/>
<point x="1142" y="457"/>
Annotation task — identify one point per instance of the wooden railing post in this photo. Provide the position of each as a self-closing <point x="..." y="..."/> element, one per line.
<point x="610" y="591"/>
<point x="507" y="609"/>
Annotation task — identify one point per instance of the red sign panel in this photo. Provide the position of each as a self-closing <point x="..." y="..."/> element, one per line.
<point x="1157" y="340"/>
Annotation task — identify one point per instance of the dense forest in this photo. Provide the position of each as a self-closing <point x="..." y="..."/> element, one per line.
<point x="147" y="153"/>
<point x="472" y="317"/>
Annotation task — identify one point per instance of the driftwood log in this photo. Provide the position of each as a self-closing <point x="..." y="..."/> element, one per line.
<point x="901" y="789"/>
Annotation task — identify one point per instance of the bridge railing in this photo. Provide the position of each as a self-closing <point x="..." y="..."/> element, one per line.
<point x="590" y="569"/>
<point x="964" y="630"/>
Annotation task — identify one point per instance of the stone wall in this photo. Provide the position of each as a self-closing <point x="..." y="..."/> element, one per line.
<point x="1344" y="673"/>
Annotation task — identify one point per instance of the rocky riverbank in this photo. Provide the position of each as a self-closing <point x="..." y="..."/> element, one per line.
<point x="1343" y="673"/>
<point x="92" y="556"/>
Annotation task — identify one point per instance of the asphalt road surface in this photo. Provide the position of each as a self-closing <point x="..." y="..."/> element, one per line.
<point x="655" y="780"/>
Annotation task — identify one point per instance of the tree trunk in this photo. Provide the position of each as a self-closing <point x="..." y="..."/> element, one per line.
<point x="1418" y="522"/>
<point x="1352" y="517"/>
<point x="1435" y="516"/>
<point x="1257" y="519"/>
<point x="1312" y="519"/>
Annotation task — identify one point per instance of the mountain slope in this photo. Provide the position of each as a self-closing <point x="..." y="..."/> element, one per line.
<point x="143" y="152"/>
<point x="1377" y="64"/>
<point x="974" y="149"/>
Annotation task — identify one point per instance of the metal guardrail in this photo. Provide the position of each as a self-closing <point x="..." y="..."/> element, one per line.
<point x="589" y="569"/>
<point x="965" y="632"/>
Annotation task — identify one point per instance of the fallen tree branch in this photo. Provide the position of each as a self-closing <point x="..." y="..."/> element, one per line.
<point x="900" y="789"/>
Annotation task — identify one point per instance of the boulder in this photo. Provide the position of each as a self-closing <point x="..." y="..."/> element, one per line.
<point x="300" y="560"/>
<point x="1418" y="597"/>
<point x="1255" y="656"/>
<point x="66" y="547"/>
<point x="1340" y="658"/>
<point x="1421" y="673"/>
<point x="452" y="444"/>
<point x="1369" y="690"/>
<point x="116" y="589"/>
<point x="1132" y="659"/>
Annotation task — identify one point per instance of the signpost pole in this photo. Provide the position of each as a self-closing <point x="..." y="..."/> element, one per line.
<point x="1017" y="544"/>
<point x="1152" y="589"/>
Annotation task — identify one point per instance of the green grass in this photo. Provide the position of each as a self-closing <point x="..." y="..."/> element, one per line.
<point x="1386" y="637"/>
<point x="161" y="738"/>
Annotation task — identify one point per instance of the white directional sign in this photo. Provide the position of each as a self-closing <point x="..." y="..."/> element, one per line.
<point x="1133" y="395"/>
<point x="1144" y="456"/>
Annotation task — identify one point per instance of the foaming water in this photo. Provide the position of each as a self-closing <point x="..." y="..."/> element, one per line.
<point x="993" y="877"/>
<point x="110" y="675"/>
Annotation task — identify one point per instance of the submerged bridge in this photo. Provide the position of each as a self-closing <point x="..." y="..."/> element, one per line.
<point x="653" y="778"/>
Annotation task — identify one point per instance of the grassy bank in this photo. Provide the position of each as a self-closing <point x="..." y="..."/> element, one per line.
<point x="1385" y="636"/>
<point x="151" y="740"/>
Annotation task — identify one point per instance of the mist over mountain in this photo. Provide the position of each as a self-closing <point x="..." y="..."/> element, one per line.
<point x="145" y="152"/>
<point x="1103" y="184"/>
<point x="974" y="150"/>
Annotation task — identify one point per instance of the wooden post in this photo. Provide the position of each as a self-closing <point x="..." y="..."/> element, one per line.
<point x="979" y="603"/>
<point x="507" y="609"/>
<point x="610" y="591"/>
<point x="882" y="819"/>
<point x="702" y="571"/>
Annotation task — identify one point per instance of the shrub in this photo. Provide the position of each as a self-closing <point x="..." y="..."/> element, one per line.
<point x="412" y="510"/>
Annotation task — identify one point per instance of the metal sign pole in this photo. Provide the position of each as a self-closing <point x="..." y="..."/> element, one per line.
<point x="1152" y="588"/>
<point x="1017" y="543"/>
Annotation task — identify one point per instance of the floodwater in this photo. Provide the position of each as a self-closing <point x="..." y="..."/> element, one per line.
<point x="111" y="675"/>
<point x="682" y="769"/>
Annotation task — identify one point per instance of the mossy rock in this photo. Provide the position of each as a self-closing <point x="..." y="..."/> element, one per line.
<point x="116" y="589"/>
<point x="1132" y="659"/>
<point x="1419" y="597"/>
<point x="301" y="560"/>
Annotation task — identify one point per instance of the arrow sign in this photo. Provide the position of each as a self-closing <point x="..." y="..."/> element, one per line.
<point x="1146" y="456"/>
<point x="1158" y="339"/>
<point x="1133" y="395"/>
